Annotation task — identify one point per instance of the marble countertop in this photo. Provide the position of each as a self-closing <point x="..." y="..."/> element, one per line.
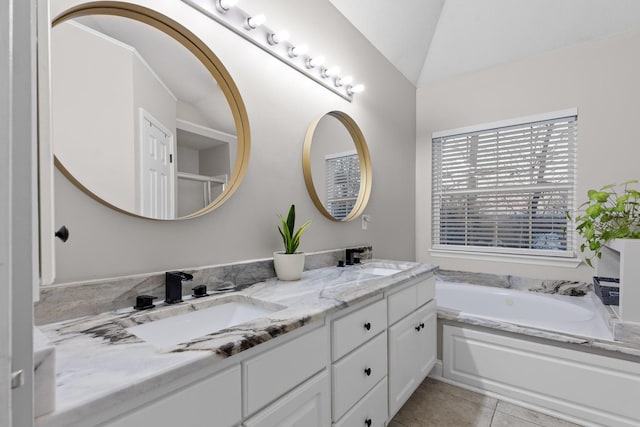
<point x="99" y="364"/>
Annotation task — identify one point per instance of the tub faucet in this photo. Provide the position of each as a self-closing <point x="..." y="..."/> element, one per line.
<point x="173" y="286"/>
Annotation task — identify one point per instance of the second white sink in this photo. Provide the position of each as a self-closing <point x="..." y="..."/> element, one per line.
<point x="188" y="326"/>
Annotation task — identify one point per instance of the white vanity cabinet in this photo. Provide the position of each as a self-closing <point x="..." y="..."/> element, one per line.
<point x="412" y="340"/>
<point x="213" y="401"/>
<point x="359" y="367"/>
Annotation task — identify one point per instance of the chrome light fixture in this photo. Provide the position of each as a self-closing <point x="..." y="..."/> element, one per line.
<point x="252" y="28"/>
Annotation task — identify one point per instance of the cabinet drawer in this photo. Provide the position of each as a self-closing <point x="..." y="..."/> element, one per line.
<point x="357" y="373"/>
<point x="307" y="405"/>
<point x="215" y="399"/>
<point x="356" y="328"/>
<point x="402" y="303"/>
<point x="277" y="371"/>
<point x="373" y="407"/>
<point x="426" y="290"/>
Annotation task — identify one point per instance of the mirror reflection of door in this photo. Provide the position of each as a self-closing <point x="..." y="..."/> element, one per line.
<point x="104" y="71"/>
<point x="156" y="169"/>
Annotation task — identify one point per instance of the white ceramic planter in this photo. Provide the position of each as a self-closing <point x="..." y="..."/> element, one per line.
<point x="288" y="266"/>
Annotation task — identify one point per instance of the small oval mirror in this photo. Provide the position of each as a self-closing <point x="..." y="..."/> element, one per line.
<point x="337" y="166"/>
<point x="145" y="118"/>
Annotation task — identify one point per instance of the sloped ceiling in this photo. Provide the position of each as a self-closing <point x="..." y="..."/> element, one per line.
<point x="429" y="40"/>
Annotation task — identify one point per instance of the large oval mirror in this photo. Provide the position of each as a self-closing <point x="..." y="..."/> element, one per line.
<point x="336" y="166"/>
<point x="145" y="118"/>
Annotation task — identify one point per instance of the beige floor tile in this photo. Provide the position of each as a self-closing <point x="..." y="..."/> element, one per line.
<point x="435" y="386"/>
<point x="532" y="416"/>
<point x="437" y="409"/>
<point x="500" y="419"/>
<point x="394" y="423"/>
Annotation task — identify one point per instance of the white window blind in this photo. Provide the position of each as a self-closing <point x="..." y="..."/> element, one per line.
<point x="343" y="182"/>
<point x="506" y="189"/>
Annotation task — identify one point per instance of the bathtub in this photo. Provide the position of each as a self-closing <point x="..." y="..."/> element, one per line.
<point x="557" y="313"/>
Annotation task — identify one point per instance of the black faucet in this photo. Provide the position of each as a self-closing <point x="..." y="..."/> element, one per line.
<point x="350" y="255"/>
<point x="173" y="286"/>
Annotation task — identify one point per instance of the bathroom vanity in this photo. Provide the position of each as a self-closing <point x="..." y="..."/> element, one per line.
<point x="343" y="346"/>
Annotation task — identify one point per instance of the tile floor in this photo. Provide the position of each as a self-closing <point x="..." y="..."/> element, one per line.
<point x="437" y="404"/>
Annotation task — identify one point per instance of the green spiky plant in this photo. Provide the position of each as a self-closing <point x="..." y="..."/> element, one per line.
<point x="291" y="240"/>
<point x="607" y="216"/>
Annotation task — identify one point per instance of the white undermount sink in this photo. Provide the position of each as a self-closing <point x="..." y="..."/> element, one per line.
<point x="382" y="271"/>
<point x="181" y="328"/>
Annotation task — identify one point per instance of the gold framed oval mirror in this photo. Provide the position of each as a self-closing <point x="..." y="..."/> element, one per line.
<point x="145" y="117"/>
<point x="336" y="166"/>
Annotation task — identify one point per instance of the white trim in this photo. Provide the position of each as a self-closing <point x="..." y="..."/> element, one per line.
<point x="339" y="155"/>
<point x="508" y="122"/>
<point x="205" y="131"/>
<point x="546" y="261"/>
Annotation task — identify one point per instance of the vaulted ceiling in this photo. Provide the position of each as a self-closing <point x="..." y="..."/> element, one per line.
<point x="429" y="40"/>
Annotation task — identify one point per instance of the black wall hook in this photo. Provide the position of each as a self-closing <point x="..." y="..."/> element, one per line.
<point x="63" y="233"/>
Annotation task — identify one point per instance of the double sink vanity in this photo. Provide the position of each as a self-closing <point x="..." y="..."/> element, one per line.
<point x="342" y="346"/>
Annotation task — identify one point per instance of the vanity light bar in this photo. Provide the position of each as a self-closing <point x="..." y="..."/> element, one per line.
<point x="252" y="28"/>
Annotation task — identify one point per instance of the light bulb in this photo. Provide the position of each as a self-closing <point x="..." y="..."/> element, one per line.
<point x="256" y="21"/>
<point x="330" y="72"/>
<point x="224" y="5"/>
<point x="355" y="89"/>
<point x="278" y="37"/>
<point x="314" y="62"/>
<point x="341" y="81"/>
<point x="298" y="50"/>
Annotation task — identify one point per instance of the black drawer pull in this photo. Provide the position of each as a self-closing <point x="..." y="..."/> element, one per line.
<point x="418" y="328"/>
<point x="367" y="371"/>
<point x="367" y="326"/>
<point x="367" y="422"/>
<point x="422" y="325"/>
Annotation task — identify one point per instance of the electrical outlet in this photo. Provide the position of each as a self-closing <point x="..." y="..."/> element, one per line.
<point x="365" y="221"/>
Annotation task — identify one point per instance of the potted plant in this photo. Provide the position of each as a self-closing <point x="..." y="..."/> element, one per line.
<point x="608" y="215"/>
<point x="289" y="263"/>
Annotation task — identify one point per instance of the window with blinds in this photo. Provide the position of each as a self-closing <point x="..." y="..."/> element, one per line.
<point x="342" y="173"/>
<point x="506" y="189"/>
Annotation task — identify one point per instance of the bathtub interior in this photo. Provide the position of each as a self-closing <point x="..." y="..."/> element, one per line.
<point x="577" y="316"/>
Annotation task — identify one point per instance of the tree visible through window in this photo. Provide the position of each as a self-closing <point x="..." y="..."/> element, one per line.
<point x="505" y="189"/>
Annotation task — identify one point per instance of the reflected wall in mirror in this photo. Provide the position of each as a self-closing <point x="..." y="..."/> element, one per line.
<point x="336" y="166"/>
<point x="145" y="118"/>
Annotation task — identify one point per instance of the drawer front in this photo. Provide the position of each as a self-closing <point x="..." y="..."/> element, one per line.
<point x="214" y="399"/>
<point x="402" y="303"/>
<point x="426" y="290"/>
<point x="357" y="373"/>
<point x="354" y="329"/>
<point x="275" y="372"/>
<point x="373" y="407"/>
<point x="307" y="405"/>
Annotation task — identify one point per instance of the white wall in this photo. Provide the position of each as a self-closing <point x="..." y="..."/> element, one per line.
<point x="86" y="89"/>
<point x="280" y="103"/>
<point x="600" y="78"/>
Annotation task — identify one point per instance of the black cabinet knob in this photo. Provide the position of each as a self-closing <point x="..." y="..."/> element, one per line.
<point x="62" y="233"/>
<point x="418" y="328"/>
<point x="422" y="325"/>
<point x="367" y="326"/>
<point x="367" y="371"/>
<point x="367" y="422"/>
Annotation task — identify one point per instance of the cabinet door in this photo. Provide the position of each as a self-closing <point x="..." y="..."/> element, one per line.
<point x="215" y="400"/>
<point x="426" y="316"/>
<point x="305" y="406"/>
<point x="403" y="359"/>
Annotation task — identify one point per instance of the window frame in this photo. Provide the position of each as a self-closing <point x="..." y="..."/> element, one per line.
<point x="566" y="256"/>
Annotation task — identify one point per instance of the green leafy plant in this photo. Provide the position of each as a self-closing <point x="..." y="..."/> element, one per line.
<point x="608" y="215"/>
<point x="291" y="240"/>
